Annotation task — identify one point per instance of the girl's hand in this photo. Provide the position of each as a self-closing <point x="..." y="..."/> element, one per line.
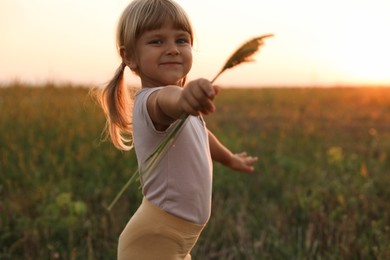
<point x="242" y="162"/>
<point x="198" y="97"/>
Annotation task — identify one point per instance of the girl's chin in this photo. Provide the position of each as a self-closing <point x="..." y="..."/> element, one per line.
<point x="174" y="81"/>
<point x="161" y="83"/>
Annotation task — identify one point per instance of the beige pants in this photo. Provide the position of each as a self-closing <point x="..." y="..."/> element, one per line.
<point x="154" y="234"/>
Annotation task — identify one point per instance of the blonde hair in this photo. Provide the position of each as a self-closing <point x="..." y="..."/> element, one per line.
<point x="138" y="17"/>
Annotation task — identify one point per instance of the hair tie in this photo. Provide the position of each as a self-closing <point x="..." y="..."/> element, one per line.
<point x="123" y="66"/>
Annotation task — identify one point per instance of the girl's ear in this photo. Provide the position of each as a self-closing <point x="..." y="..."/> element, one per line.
<point x="127" y="59"/>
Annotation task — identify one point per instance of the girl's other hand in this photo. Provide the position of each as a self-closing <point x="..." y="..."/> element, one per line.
<point x="242" y="162"/>
<point x="198" y="97"/>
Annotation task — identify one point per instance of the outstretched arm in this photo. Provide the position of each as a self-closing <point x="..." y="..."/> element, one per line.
<point x="169" y="103"/>
<point x="239" y="162"/>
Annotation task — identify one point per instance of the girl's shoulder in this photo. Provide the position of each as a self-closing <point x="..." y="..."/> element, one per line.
<point x="147" y="91"/>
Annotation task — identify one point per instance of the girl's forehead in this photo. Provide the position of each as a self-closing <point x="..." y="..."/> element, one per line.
<point x="165" y="28"/>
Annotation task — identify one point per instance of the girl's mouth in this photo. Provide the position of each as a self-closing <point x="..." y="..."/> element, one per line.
<point x="171" y="62"/>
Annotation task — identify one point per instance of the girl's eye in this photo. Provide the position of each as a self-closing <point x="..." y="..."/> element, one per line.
<point x="182" y="41"/>
<point x="156" y="42"/>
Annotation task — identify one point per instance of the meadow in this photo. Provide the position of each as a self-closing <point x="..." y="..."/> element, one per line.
<point x="320" y="190"/>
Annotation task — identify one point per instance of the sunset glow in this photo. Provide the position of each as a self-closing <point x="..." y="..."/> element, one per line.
<point x="367" y="61"/>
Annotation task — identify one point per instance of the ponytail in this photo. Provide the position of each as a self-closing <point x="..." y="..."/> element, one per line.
<point x="117" y="105"/>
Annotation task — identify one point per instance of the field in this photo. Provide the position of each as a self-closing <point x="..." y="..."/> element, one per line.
<point x="321" y="189"/>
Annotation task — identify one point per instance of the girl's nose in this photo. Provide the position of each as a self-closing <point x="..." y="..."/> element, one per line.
<point x="173" y="50"/>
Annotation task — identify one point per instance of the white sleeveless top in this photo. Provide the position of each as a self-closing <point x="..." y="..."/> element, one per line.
<point x="181" y="183"/>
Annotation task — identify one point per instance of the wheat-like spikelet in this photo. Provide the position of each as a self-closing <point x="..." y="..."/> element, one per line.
<point x="242" y="54"/>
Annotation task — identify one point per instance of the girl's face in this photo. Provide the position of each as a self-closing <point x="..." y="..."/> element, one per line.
<point x="163" y="56"/>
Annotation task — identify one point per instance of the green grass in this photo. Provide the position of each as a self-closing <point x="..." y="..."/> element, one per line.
<point x="320" y="190"/>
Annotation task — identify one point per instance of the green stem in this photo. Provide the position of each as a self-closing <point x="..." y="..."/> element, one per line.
<point x="122" y="190"/>
<point x="216" y="76"/>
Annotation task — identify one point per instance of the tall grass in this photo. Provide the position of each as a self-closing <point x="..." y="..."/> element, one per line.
<point x="320" y="191"/>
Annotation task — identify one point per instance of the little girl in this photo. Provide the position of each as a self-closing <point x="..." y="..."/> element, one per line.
<point x="154" y="39"/>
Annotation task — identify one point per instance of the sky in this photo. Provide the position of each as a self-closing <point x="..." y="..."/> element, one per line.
<point x="316" y="43"/>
